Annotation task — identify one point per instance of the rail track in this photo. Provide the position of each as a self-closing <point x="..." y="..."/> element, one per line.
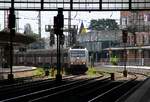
<point x="114" y="93"/>
<point x="40" y="89"/>
<point x="98" y="89"/>
<point x="18" y="89"/>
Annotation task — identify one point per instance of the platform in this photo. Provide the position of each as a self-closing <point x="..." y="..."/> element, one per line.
<point x="18" y="71"/>
<point x="17" y="68"/>
<point x="142" y="94"/>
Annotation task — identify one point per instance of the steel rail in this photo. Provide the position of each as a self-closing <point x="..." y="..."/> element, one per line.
<point x="36" y="94"/>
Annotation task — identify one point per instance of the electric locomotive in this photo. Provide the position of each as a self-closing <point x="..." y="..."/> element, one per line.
<point x="77" y="60"/>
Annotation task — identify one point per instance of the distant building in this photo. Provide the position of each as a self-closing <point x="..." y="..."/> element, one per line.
<point x="98" y="40"/>
<point x="137" y="23"/>
<point x="19" y="40"/>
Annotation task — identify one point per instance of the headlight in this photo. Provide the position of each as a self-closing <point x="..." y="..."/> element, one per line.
<point x="83" y="63"/>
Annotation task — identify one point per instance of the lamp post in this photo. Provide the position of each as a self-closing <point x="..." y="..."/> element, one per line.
<point x="140" y="55"/>
<point x="124" y="38"/>
<point x="11" y="26"/>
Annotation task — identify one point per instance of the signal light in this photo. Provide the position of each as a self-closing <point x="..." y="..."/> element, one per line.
<point x="124" y="36"/>
<point x="56" y="25"/>
<point x="62" y="39"/>
<point x="52" y="39"/>
<point x="11" y="19"/>
<point x="59" y="23"/>
<point x="60" y="18"/>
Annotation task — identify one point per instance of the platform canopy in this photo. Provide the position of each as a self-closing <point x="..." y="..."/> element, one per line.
<point x="18" y="38"/>
<point x="76" y="5"/>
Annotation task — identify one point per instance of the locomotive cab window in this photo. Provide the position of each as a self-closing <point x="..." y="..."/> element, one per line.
<point x="77" y="53"/>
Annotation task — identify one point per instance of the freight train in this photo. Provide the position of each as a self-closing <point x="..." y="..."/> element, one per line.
<point x="74" y="60"/>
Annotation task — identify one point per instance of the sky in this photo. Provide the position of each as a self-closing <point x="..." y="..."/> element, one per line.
<point x="31" y="17"/>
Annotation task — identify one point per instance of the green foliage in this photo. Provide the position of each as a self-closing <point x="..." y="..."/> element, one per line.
<point x="39" y="72"/>
<point x="34" y="35"/>
<point x="114" y="60"/>
<point x="53" y="72"/>
<point x="103" y="24"/>
<point x="91" y="72"/>
<point x="147" y="73"/>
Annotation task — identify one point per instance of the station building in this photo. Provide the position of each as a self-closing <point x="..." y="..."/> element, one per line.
<point x="106" y="44"/>
<point x="19" y="41"/>
<point x="137" y="23"/>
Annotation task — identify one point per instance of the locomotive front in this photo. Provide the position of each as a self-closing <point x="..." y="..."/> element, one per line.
<point x="78" y="60"/>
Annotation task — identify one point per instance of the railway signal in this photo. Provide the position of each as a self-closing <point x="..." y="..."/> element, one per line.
<point x="58" y="30"/>
<point x="62" y="39"/>
<point x="124" y="36"/>
<point x="52" y="39"/>
<point x="11" y="19"/>
<point x="60" y="18"/>
<point x="59" y="23"/>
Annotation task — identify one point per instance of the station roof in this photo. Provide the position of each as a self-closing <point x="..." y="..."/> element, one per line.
<point x="19" y="38"/>
<point x="77" y="5"/>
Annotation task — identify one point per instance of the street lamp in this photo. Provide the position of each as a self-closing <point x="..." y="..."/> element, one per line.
<point x="124" y="38"/>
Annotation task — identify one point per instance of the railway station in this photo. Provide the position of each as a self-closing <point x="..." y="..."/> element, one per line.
<point x="74" y="50"/>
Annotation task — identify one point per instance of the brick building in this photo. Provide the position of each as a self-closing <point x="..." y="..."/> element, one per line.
<point x="137" y="23"/>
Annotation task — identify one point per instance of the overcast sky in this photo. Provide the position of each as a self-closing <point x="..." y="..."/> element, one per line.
<point x="47" y="19"/>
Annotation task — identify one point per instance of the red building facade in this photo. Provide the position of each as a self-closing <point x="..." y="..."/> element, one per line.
<point x="137" y="23"/>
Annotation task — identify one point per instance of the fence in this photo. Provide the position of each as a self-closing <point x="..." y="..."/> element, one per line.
<point x="129" y="62"/>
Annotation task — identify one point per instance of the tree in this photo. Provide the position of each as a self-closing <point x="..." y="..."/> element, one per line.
<point x="35" y="36"/>
<point x="28" y="29"/>
<point x="103" y="24"/>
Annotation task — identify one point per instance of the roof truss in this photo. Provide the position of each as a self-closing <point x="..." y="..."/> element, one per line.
<point x="76" y="5"/>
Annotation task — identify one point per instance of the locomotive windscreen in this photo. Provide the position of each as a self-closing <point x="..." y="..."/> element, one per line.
<point x="77" y="53"/>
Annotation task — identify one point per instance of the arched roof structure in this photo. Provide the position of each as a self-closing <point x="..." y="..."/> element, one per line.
<point x="76" y="5"/>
